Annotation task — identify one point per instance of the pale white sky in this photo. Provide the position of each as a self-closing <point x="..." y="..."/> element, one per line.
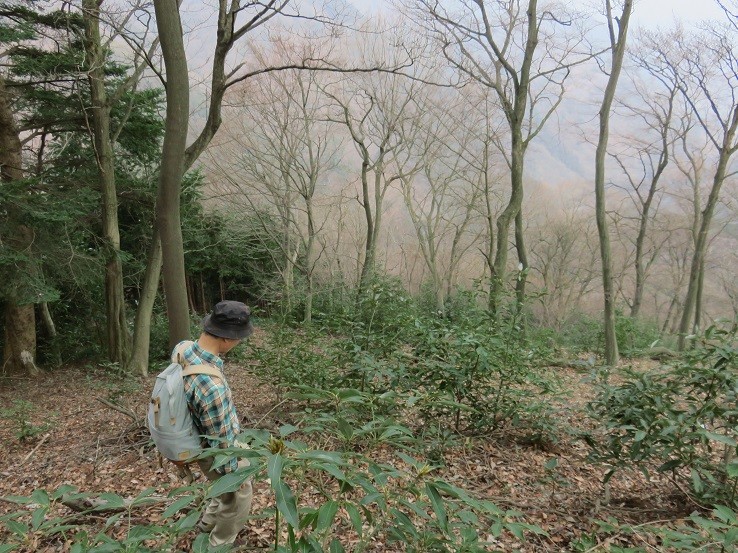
<point x="655" y="13"/>
<point x="649" y="13"/>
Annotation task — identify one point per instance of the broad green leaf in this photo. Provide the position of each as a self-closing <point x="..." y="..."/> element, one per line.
<point x="355" y="516"/>
<point x="177" y="506"/>
<point x="551" y="464"/>
<point x="201" y="545"/>
<point x="320" y="456"/>
<point x="287" y="429"/>
<point x="438" y="506"/>
<point x="697" y="482"/>
<point x="275" y="463"/>
<point x="143" y="497"/>
<point x="336" y="547"/>
<point x="725" y="514"/>
<point x="308" y="518"/>
<point x="19" y="499"/>
<point x="721" y="438"/>
<point x="345" y="428"/>
<point x="326" y="514"/>
<point x="113" y="519"/>
<point x="332" y="470"/>
<point x="139" y="533"/>
<point x="17" y="527"/>
<point x="38" y="517"/>
<point x="111" y="501"/>
<point x="188" y="522"/>
<point x="40" y="497"/>
<point x="61" y="490"/>
<point x="286" y="503"/>
<point x="733" y="469"/>
<point x="7" y="548"/>
<point x="231" y="481"/>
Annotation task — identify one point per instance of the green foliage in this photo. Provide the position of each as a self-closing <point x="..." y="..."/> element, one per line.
<point x="226" y="254"/>
<point x="683" y="417"/>
<point x="476" y="373"/>
<point x="292" y="358"/>
<point x="21" y="415"/>
<point x="718" y="533"/>
<point x="586" y="334"/>
<point x="359" y="501"/>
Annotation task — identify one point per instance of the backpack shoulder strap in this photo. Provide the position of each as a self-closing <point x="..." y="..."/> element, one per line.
<point x="201" y="369"/>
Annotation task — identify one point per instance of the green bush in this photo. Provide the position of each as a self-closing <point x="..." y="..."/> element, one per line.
<point x="476" y="374"/>
<point x="353" y="500"/>
<point x="681" y="417"/>
<point x="585" y="334"/>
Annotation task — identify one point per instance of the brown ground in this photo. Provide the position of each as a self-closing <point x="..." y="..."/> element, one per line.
<point x="100" y="450"/>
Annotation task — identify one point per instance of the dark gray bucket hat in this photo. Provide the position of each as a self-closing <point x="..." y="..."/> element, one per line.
<point x="229" y="319"/>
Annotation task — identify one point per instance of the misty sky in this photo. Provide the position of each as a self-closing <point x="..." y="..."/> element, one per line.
<point x="651" y="13"/>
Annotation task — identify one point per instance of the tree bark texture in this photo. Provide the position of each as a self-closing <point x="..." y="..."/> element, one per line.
<point x="700" y="246"/>
<point x="522" y="261"/>
<point x="172" y="168"/>
<point x="19" y="340"/>
<point x="118" y="340"/>
<point x="618" y="52"/>
<point x="139" y="363"/>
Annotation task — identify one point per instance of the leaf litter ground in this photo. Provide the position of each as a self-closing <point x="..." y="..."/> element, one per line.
<point x="98" y="449"/>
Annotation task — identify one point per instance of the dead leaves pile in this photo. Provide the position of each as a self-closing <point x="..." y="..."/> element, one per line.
<point x="98" y="449"/>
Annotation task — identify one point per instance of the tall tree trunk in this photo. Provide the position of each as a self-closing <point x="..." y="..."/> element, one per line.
<point x="168" y="222"/>
<point x="48" y="321"/>
<point x="367" y="267"/>
<point x="618" y="52"/>
<point x="309" y="262"/>
<point x="118" y="341"/>
<point x="698" y="257"/>
<point x="522" y="261"/>
<point x="139" y="363"/>
<point x="508" y="215"/>
<point x="698" y="301"/>
<point x="489" y="255"/>
<point x="19" y="341"/>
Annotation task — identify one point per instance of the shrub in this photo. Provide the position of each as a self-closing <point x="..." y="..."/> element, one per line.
<point x="586" y="334"/>
<point x="323" y="500"/>
<point x="474" y="374"/>
<point x="683" y="417"/>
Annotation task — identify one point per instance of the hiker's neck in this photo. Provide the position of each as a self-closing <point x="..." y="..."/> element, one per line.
<point x="211" y="344"/>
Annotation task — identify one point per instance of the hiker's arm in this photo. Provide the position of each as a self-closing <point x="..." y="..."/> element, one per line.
<point x="217" y="420"/>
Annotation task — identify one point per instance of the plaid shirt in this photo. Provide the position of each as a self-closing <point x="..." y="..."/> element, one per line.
<point x="210" y="402"/>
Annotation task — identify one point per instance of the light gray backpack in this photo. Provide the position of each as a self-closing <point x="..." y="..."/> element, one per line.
<point x="169" y="419"/>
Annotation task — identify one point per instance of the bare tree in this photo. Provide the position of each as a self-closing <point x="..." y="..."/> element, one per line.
<point x="617" y="46"/>
<point x="498" y="44"/>
<point x="704" y="68"/>
<point x="564" y="264"/>
<point x="643" y="159"/>
<point x="235" y="21"/>
<point x="440" y="187"/>
<point x="373" y="111"/>
<point x="280" y="151"/>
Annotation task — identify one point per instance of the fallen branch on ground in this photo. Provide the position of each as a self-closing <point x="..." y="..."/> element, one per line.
<point x="34" y="450"/>
<point x="115" y="407"/>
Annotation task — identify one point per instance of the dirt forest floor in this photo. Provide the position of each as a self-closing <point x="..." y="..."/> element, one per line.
<point x="98" y="449"/>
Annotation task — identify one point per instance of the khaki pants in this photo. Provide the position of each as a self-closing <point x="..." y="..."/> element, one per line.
<point x="226" y="514"/>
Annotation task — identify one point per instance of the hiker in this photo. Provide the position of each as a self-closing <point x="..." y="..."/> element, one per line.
<point x="214" y="414"/>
